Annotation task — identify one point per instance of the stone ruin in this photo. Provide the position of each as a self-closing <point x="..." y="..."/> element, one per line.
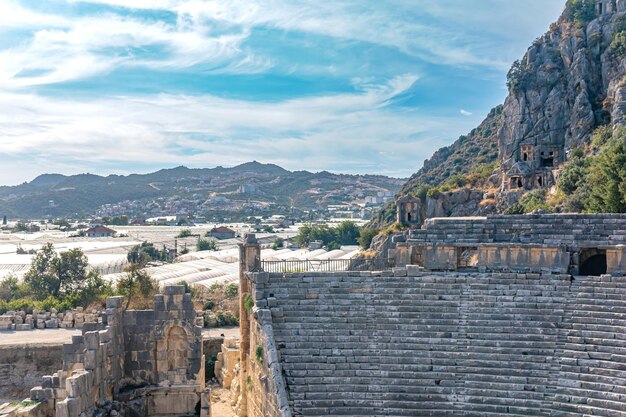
<point x="20" y="320"/>
<point x="579" y="244"/>
<point x="511" y="328"/>
<point x="131" y="363"/>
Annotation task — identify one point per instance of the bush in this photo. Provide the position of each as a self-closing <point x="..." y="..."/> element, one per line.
<point x="184" y="233"/>
<point x="226" y="319"/>
<point x="346" y="233"/>
<point x="366" y="236"/>
<point x="248" y="302"/>
<point x="530" y="202"/>
<point x="457" y="181"/>
<point x="206" y="244"/>
<point x="520" y="77"/>
<point x="580" y="12"/>
<point x="618" y="44"/>
<point x="607" y="177"/>
<point x="572" y="176"/>
<point x="601" y="136"/>
<point x="279" y="243"/>
<point x="231" y="290"/>
<point x="147" y="252"/>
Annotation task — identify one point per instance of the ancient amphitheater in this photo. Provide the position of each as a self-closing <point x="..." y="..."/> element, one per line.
<point x="505" y="315"/>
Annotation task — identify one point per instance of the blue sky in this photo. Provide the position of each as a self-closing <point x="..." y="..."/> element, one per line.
<point x="355" y="86"/>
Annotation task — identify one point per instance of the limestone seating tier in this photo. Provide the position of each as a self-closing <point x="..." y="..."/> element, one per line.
<point x="586" y="230"/>
<point x="451" y="344"/>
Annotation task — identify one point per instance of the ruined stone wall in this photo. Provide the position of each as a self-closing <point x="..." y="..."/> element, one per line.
<point x="22" y="367"/>
<point x="143" y="362"/>
<point x="524" y="243"/>
<point x="262" y="382"/>
<point x="414" y="343"/>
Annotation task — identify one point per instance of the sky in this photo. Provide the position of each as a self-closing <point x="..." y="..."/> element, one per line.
<point x="352" y="86"/>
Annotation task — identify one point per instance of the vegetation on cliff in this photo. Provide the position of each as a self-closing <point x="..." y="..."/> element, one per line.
<point x="469" y="161"/>
<point x="567" y="99"/>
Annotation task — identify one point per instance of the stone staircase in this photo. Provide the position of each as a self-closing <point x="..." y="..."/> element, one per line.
<point x="452" y="344"/>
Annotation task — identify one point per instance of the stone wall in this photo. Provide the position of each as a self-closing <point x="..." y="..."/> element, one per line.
<point x="22" y="367"/>
<point x="141" y="363"/>
<point x="266" y="382"/>
<point x="524" y="243"/>
<point x="443" y="344"/>
<point x="259" y="384"/>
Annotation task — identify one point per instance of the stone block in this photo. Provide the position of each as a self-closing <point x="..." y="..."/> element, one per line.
<point x="174" y="290"/>
<point x="114" y="302"/>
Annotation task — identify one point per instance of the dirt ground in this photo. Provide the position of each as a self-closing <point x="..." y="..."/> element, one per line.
<point x="220" y="402"/>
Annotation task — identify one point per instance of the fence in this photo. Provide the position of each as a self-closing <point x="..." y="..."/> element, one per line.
<point x="326" y="265"/>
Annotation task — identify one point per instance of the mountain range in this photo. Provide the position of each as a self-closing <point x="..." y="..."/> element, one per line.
<point x="55" y="195"/>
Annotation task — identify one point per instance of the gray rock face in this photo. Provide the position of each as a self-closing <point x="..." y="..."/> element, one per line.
<point x="570" y="82"/>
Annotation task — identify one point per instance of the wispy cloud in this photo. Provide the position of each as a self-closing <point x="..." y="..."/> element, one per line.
<point x="314" y="133"/>
<point x="343" y="85"/>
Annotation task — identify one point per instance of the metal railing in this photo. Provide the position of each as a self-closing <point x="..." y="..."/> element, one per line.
<point x="326" y="265"/>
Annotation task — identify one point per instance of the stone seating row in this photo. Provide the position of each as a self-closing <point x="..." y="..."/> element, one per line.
<point x="489" y="350"/>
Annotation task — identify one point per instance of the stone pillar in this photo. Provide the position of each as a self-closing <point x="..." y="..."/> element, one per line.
<point x="249" y="260"/>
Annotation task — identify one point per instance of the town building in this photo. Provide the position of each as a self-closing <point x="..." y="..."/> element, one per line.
<point x="222" y="233"/>
<point x="100" y="231"/>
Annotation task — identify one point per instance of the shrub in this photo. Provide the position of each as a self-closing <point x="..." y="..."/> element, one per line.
<point x="248" y="302"/>
<point x="206" y="244"/>
<point x="184" y="233"/>
<point x="519" y="77"/>
<point x="530" y="202"/>
<point x="618" y="44"/>
<point x="601" y="136"/>
<point x="279" y="243"/>
<point x="580" y="12"/>
<point x="231" y="291"/>
<point x="225" y="318"/>
<point x="366" y="236"/>
<point x="607" y="176"/>
<point x="572" y="176"/>
<point x="259" y="354"/>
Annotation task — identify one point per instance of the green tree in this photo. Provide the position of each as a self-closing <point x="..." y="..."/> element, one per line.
<point x="347" y="233"/>
<point x="572" y="176"/>
<point x="532" y="201"/>
<point x="607" y="177"/>
<point x="367" y="235"/>
<point x="146" y="252"/>
<point x="279" y="243"/>
<point x="61" y="223"/>
<point x="580" y="12"/>
<point x="62" y="275"/>
<point x="137" y="287"/>
<point x="206" y="244"/>
<point x="21" y="226"/>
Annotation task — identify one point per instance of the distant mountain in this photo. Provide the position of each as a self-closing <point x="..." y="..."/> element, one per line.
<point x="54" y="195"/>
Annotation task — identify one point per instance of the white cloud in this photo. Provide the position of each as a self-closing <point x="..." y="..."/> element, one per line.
<point x="13" y="15"/>
<point x="465" y="112"/>
<point x="326" y="132"/>
<point x="88" y="46"/>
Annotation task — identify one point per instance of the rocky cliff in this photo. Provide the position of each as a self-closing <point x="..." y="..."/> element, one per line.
<point x="569" y="82"/>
